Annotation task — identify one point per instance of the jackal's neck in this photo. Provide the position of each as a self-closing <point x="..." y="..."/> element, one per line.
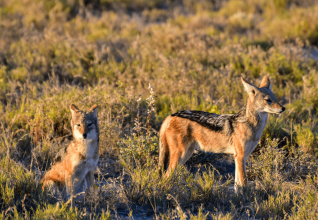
<point x="86" y="147"/>
<point x="86" y="143"/>
<point x="254" y="117"/>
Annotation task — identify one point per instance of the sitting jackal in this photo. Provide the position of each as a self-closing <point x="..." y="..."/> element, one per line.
<point x="74" y="165"/>
<point x="238" y="134"/>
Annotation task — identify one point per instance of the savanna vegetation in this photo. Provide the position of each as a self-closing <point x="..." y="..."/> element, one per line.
<point x="141" y="60"/>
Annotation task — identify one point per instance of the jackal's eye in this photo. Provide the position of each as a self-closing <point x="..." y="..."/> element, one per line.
<point x="78" y="125"/>
<point x="90" y="124"/>
<point x="269" y="101"/>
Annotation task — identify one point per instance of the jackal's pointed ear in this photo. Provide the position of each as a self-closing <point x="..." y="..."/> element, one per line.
<point x="249" y="87"/>
<point x="94" y="109"/>
<point x="266" y="83"/>
<point x="74" y="110"/>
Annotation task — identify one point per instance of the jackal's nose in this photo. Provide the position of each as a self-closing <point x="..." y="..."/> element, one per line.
<point x="283" y="109"/>
<point x="84" y="135"/>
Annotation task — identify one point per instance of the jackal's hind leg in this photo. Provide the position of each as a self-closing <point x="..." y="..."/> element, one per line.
<point x="54" y="175"/>
<point x="48" y="183"/>
<point x="175" y="157"/>
<point x="188" y="153"/>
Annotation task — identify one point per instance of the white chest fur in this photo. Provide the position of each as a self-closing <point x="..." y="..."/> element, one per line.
<point x="250" y="145"/>
<point x="261" y="126"/>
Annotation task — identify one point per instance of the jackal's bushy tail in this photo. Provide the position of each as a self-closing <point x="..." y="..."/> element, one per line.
<point x="163" y="152"/>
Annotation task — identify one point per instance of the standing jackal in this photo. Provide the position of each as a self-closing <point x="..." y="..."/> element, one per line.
<point x="74" y="165"/>
<point x="238" y="134"/>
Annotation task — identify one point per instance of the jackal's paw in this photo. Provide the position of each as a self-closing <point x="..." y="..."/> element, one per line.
<point x="52" y="188"/>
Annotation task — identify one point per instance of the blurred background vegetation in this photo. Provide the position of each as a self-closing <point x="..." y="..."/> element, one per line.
<point x="193" y="53"/>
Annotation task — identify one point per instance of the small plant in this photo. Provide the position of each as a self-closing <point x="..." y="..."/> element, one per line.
<point x="306" y="138"/>
<point x="143" y="144"/>
<point x="268" y="165"/>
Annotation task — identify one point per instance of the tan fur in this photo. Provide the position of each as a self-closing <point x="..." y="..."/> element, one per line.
<point x="179" y="136"/>
<point x="75" y="165"/>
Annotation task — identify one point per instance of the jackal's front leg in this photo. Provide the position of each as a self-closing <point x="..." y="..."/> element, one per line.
<point x="90" y="180"/>
<point x="69" y="182"/>
<point x="240" y="174"/>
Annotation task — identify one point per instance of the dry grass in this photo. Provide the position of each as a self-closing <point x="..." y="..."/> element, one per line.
<point x="54" y="53"/>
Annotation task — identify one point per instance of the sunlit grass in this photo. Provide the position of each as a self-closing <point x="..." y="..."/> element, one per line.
<point x="54" y="53"/>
